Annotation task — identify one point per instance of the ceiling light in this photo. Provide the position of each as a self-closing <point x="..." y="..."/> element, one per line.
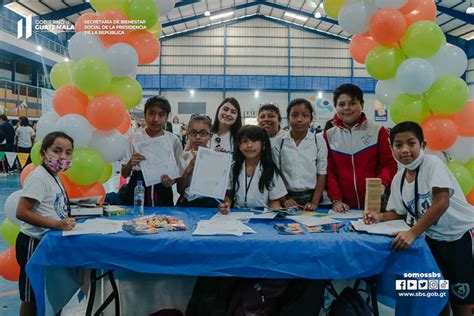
<point x="317" y="15"/>
<point x="66" y="59"/>
<point x="39" y="48"/>
<point x="191" y="92"/>
<point x="320" y="95"/>
<point x="222" y="15"/>
<point x="257" y="93"/>
<point x="296" y="16"/>
<point x="207" y="13"/>
<point x="470" y="10"/>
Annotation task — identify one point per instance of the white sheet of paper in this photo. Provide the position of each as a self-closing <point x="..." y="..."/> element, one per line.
<point x="383" y="228"/>
<point x="350" y="214"/>
<point x="159" y="159"/>
<point x="96" y="226"/>
<point x="210" y="227"/>
<point x="211" y="173"/>
<point x="312" y="220"/>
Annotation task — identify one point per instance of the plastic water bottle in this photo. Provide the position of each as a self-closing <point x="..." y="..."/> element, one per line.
<point x="138" y="199"/>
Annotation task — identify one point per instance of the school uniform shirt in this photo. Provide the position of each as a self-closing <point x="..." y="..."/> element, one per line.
<point x="255" y="198"/>
<point x="354" y="155"/>
<point x="143" y="136"/>
<point x="226" y="142"/>
<point x="300" y="164"/>
<point x="40" y="186"/>
<point x="433" y="173"/>
<point x="24" y="134"/>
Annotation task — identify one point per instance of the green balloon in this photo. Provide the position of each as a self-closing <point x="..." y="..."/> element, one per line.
<point x="2" y="154"/>
<point x="103" y="5"/>
<point x="91" y="75"/>
<point x="61" y="74"/>
<point x="87" y="166"/>
<point x="9" y="232"/>
<point x="422" y="39"/>
<point x="470" y="167"/>
<point x="382" y="61"/>
<point x="462" y="175"/>
<point x="144" y="10"/>
<point x="35" y="153"/>
<point x="156" y="29"/>
<point x="106" y="173"/>
<point x="409" y="107"/>
<point x="128" y="90"/>
<point x="447" y="95"/>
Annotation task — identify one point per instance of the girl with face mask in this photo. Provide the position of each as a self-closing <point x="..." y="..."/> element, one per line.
<point x="43" y="205"/>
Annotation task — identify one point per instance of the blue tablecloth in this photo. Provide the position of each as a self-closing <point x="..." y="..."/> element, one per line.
<point x="265" y="254"/>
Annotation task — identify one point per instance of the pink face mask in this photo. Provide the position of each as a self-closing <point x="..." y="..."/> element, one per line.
<point x="57" y="164"/>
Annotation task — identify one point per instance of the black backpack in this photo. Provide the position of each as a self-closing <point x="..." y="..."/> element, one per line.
<point x="350" y="303"/>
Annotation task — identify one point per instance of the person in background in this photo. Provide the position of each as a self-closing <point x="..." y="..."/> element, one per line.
<point x="227" y="123"/>
<point x="24" y="136"/>
<point x="357" y="149"/>
<point x="269" y="119"/>
<point x="8" y="130"/>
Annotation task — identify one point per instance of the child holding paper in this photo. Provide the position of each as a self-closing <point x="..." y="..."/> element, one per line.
<point x="301" y="157"/>
<point x="157" y="110"/>
<point x="199" y="134"/>
<point x="43" y="205"/>
<point x="357" y="149"/>
<point x="425" y="192"/>
<point x="255" y="182"/>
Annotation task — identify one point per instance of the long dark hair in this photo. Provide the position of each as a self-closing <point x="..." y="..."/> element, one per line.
<point x="234" y="129"/>
<point x="254" y="133"/>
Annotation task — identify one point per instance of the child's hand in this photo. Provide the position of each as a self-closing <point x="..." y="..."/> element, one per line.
<point x="372" y="217"/>
<point x="220" y="149"/>
<point x="310" y="206"/>
<point x="290" y="203"/>
<point x="166" y="181"/>
<point x="403" y="240"/>
<point x="340" y="207"/>
<point x="135" y="160"/>
<point x="224" y="207"/>
<point x="66" y="224"/>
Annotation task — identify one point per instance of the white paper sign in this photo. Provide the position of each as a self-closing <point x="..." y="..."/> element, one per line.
<point x="159" y="159"/>
<point x="211" y="173"/>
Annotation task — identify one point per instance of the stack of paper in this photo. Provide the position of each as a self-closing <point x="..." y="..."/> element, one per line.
<point x="312" y="221"/>
<point x="95" y="226"/>
<point x="243" y="216"/>
<point x="373" y="194"/>
<point x="231" y="227"/>
<point x="350" y="214"/>
<point x="383" y="228"/>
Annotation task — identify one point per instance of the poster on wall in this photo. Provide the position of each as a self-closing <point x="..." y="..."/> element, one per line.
<point x="380" y="112"/>
<point x="323" y="108"/>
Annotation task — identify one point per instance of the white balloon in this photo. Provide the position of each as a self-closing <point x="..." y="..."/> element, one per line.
<point x="10" y="207"/>
<point x="354" y="17"/>
<point x="46" y="124"/>
<point x="436" y="153"/>
<point x="164" y="6"/>
<point x="390" y="3"/>
<point x="111" y="145"/>
<point x="76" y="126"/>
<point x="122" y="60"/>
<point x="463" y="150"/>
<point x="450" y="60"/>
<point x="82" y="45"/>
<point x="387" y="90"/>
<point x="415" y="75"/>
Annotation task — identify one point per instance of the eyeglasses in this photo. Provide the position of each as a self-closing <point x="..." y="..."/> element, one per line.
<point x="201" y="133"/>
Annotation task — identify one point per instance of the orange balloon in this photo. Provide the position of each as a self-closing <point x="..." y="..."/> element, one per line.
<point x="418" y="10"/>
<point x="360" y="46"/>
<point x="463" y="119"/>
<point x="387" y="26"/>
<point x="83" y="20"/>
<point x="125" y="125"/>
<point x="25" y="172"/>
<point x="111" y="21"/>
<point x="440" y="132"/>
<point x="106" y="112"/>
<point x="75" y="191"/>
<point x="69" y="100"/>
<point x="9" y="268"/>
<point x="470" y="197"/>
<point x="146" y="45"/>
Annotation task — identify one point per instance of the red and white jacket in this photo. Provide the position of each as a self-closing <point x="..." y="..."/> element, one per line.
<point x="354" y="155"/>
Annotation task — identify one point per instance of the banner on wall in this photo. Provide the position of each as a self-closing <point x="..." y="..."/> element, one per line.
<point x="380" y="112"/>
<point x="323" y="109"/>
<point x="46" y="100"/>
